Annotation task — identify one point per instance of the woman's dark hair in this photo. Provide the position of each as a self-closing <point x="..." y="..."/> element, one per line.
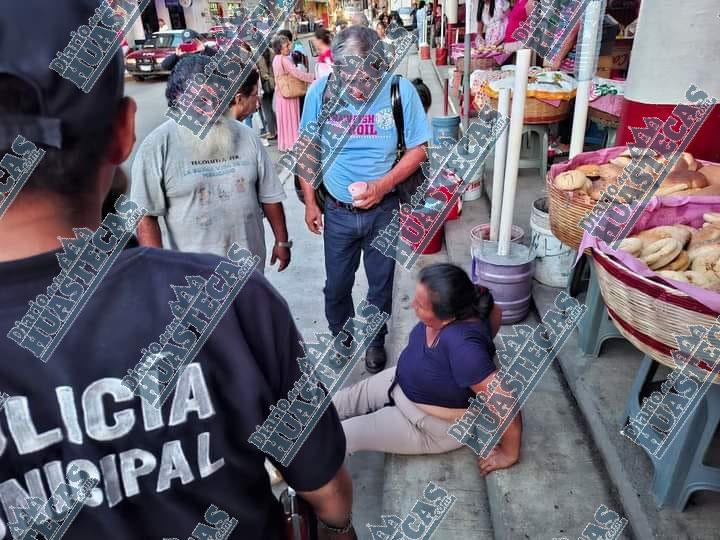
<point x="424" y="93"/>
<point x="421" y="4"/>
<point x="287" y="34"/>
<point x="189" y="66"/>
<point x="453" y="295"/>
<point x="324" y="35"/>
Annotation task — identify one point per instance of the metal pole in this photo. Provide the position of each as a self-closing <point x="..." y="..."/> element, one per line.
<point x="466" y="73"/>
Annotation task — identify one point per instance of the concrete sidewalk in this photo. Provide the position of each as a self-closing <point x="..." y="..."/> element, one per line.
<point x="574" y="457"/>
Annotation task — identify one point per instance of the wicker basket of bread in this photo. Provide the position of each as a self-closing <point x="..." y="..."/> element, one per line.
<point x="549" y="94"/>
<point x="575" y="186"/>
<point x="662" y="279"/>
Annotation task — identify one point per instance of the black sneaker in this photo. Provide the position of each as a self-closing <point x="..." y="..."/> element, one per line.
<point x="375" y="359"/>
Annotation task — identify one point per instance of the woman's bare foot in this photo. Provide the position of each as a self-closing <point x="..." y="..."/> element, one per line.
<point x="498" y="459"/>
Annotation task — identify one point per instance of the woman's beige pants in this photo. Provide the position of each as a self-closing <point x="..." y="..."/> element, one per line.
<point x="401" y="429"/>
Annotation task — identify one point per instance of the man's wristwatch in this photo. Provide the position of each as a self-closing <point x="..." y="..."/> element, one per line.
<point x="287" y="244"/>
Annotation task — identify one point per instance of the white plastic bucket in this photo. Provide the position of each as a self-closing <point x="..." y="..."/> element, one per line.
<point x="553" y="258"/>
<point x="474" y="190"/>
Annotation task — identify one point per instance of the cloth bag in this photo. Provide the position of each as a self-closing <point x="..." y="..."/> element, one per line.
<point x="290" y="86"/>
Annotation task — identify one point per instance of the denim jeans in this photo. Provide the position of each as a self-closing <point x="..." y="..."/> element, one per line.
<point x="347" y="234"/>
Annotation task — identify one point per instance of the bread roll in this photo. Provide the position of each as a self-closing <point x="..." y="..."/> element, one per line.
<point x="609" y="172"/>
<point x="704" y="260"/>
<point x="706" y="280"/>
<point x="688" y="228"/>
<point x="709" y="191"/>
<point x="631" y="245"/>
<point x="660" y="253"/>
<point x="570" y="180"/>
<point x="621" y="161"/>
<point x="689" y="160"/>
<point x="590" y="169"/>
<point x="664" y="191"/>
<point x="680" y="234"/>
<point x="703" y="236"/>
<point x="712" y="173"/>
<point x="686" y="162"/>
<point x="674" y="275"/>
<point x="679" y="263"/>
<point x="686" y="179"/>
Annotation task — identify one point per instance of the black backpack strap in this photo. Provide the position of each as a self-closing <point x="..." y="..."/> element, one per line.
<point x="397" y="111"/>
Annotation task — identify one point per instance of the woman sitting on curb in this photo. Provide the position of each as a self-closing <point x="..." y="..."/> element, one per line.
<point x="408" y="409"/>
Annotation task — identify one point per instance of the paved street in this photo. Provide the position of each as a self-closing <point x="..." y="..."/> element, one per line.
<point x="301" y="284"/>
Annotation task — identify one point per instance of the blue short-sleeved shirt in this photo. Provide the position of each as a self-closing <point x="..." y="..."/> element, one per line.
<point x="442" y="375"/>
<point x="369" y="153"/>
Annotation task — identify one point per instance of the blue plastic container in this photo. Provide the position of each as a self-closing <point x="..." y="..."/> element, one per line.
<point x="445" y="127"/>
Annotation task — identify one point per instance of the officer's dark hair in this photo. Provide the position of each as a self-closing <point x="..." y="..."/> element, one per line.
<point x="67" y="171"/>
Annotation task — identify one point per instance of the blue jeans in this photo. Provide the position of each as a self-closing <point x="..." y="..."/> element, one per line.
<point x="347" y="234"/>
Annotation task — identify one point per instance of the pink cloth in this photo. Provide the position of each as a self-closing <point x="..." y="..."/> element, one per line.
<point x="287" y="110"/>
<point x="659" y="211"/>
<point x="517" y="16"/>
<point x="608" y="104"/>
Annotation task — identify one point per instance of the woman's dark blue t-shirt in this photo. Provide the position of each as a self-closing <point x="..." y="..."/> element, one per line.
<point x="442" y="375"/>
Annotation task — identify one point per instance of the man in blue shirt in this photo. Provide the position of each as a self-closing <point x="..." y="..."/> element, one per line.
<point x="351" y="223"/>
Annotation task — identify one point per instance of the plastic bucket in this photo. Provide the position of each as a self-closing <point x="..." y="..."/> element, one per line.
<point x="509" y="279"/>
<point x="435" y="244"/>
<point x="445" y="127"/>
<point x="474" y="190"/>
<point x="482" y="232"/>
<point x="457" y="207"/>
<point x="424" y="52"/>
<point x="554" y="259"/>
<point x="441" y="56"/>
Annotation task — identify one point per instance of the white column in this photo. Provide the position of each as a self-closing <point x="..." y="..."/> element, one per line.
<point x="587" y="59"/>
<point x="517" y="118"/>
<point x="451" y="11"/>
<point x="687" y="41"/>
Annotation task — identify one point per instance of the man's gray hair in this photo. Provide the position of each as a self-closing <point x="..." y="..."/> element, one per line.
<point x="359" y="19"/>
<point x="354" y="41"/>
<point x="277" y="43"/>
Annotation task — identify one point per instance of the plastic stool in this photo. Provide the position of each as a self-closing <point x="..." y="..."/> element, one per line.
<point x="596" y="326"/>
<point x="680" y="472"/>
<point x="537" y="149"/>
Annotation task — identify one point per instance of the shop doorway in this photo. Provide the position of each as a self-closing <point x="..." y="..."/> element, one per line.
<point x="177" y="17"/>
<point x="149" y="20"/>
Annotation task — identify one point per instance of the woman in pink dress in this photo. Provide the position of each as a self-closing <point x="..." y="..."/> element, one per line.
<point x="287" y="110"/>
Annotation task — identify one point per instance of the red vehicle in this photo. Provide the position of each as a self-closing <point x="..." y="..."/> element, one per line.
<point x="147" y="61"/>
<point x="220" y="35"/>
